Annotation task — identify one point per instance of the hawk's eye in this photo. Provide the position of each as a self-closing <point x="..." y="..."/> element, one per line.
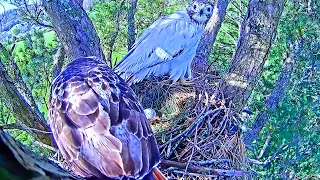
<point x="209" y="9"/>
<point x="194" y="6"/>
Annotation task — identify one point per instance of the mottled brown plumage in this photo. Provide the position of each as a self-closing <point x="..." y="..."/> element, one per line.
<point x="98" y="123"/>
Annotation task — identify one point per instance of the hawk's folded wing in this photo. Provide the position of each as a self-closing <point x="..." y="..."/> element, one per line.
<point x="99" y="124"/>
<point x="165" y="40"/>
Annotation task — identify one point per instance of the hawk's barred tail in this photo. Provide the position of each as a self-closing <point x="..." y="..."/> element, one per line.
<point x="157" y="174"/>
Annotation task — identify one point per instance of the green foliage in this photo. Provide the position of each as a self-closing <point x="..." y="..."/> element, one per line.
<point x="33" y="52"/>
<point x="295" y="123"/>
<point x="6" y="117"/>
<point x="50" y="39"/>
<point x="34" y="56"/>
<point x="103" y="18"/>
<point x="226" y="39"/>
<point x="104" y="15"/>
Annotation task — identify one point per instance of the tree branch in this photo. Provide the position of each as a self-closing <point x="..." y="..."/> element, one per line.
<point x="257" y="33"/>
<point x="18" y="125"/>
<point x="208" y="38"/>
<point x="202" y="170"/>
<point x="264" y="148"/>
<point x="20" y="84"/>
<point x="210" y="162"/>
<point x="22" y="163"/>
<point x="131" y="27"/>
<point x="20" y="109"/>
<point x="74" y="29"/>
<point x="276" y="96"/>
<point x="270" y="159"/>
<point x="34" y="16"/>
<point x="115" y="33"/>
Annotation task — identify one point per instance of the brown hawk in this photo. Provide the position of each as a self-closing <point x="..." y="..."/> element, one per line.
<point x="99" y="125"/>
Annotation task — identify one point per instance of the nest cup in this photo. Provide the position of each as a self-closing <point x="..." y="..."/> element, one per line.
<point x="197" y="133"/>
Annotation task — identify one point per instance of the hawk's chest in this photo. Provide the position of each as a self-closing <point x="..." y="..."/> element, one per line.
<point x="193" y="31"/>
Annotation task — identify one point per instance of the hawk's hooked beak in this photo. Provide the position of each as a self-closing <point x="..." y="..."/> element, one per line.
<point x="201" y="12"/>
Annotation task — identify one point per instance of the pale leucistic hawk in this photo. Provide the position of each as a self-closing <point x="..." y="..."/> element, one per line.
<point x="99" y="125"/>
<point x="168" y="46"/>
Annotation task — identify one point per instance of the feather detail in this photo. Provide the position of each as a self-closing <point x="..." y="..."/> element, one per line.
<point x="167" y="47"/>
<point x="98" y="123"/>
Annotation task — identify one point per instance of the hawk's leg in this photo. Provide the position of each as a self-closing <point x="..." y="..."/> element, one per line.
<point x="184" y="82"/>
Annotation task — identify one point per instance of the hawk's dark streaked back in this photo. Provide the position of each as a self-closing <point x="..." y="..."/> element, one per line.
<point x="98" y="123"/>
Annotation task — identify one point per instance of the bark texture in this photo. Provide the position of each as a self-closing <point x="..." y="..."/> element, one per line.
<point x="257" y="33"/>
<point x="81" y="2"/>
<point x="58" y="61"/>
<point x="21" y="110"/>
<point x="131" y="27"/>
<point x="18" y="162"/>
<point x="276" y="96"/>
<point x="200" y="61"/>
<point x="19" y="82"/>
<point x="74" y="29"/>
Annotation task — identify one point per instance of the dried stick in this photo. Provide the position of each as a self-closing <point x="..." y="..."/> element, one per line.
<point x="190" y="129"/>
<point x="210" y="162"/>
<point x="203" y="170"/>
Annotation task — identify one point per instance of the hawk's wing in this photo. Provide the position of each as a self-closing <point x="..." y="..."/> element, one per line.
<point x="166" y="39"/>
<point x="98" y="123"/>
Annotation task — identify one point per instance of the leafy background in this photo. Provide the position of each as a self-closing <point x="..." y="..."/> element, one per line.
<point x="294" y="126"/>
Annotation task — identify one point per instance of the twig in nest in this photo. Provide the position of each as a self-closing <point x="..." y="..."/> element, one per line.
<point x="188" y="131"/>
<point x="211" y="162"/>
<point x="195" y="174"/>
<point x="193" y="149"/>
<point x="46" y="146"/>
<point x="203" y="170"/>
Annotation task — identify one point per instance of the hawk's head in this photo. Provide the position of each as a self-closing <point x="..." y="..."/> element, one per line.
<point x="200" y="11"/>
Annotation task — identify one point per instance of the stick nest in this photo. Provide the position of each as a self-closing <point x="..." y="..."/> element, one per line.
<point x="198" y="135"/>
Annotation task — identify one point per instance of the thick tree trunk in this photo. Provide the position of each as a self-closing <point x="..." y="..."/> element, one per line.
<point x="20" y="84"/>
<point x="18" y="162"/>
<point x="23" y="88"/>
<point x="200" y="61"/>
<point x="74" y="29"/>
<point x="80" y="2"/>
<point x="276" y="96"/>
<point x="131" y="27"/>
<point x="21" y="110"/>
<point x="257" y="33"/>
